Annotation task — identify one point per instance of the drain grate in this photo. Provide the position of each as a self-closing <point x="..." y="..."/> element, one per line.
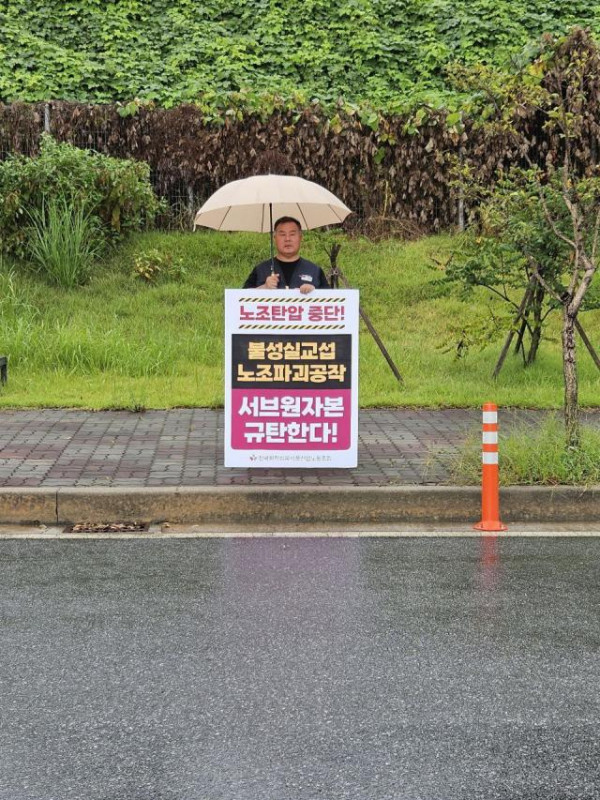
<point x="107" y="527"/>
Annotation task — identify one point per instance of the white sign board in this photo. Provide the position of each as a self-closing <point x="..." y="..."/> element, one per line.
<point x="291" y="378"/>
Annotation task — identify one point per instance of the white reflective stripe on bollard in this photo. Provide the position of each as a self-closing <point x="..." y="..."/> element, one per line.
<point x="489" y="458"/>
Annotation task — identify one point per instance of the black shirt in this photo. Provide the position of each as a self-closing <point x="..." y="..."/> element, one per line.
<point x="287" y="268"/>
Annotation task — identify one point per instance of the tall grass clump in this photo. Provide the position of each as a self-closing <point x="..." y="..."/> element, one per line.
<point x="536" y="456"/>
<point x="13" y="300"/>
<point x="15" y="304"/>
<point x="64" y="242"/>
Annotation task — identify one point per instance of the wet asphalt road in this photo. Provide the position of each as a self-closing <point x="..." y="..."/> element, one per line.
<point x="299" y="669"/>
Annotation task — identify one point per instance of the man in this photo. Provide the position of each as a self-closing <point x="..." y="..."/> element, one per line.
<point x="291" y="271"/>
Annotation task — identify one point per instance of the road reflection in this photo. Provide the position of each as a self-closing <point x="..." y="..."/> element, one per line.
<point x="489" y="567"/>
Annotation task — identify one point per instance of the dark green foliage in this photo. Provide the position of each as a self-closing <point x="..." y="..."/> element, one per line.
<point x="386" y="52"/>
<point x="116" y="192"/>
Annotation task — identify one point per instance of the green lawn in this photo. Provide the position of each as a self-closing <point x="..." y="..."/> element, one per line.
<point x="120" y="343"/>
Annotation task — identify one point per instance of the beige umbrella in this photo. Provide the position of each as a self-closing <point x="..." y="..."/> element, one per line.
<point x="253" y="203"/>
<point x="248" y="204"/>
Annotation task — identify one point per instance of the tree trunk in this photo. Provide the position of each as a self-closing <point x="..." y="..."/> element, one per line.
<point x="536" y="328"/>
<point x="522" y="329"/>
<point x="509" y="338"/>
<point x="536" y="336"/>
<point x="570" y="376"/>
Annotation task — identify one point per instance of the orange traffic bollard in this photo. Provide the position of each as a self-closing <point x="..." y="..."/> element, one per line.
<point x="490" y="492"/>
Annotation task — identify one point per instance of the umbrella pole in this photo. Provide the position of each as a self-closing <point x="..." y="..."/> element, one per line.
<point x="271" y="232"/>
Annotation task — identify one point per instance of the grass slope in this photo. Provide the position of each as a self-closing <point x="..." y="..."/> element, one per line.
<point x="120" y="343"/>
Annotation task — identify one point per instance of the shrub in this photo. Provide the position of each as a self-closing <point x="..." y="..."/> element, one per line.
<point x="64" y="242"/>
<point x="115" y="191"/>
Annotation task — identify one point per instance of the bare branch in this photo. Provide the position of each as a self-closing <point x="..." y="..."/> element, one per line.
<point x="498" y="292"/>
<point x="558" y="233"/>
<point x="543" y="282"/>
<point x="549" y="311"/>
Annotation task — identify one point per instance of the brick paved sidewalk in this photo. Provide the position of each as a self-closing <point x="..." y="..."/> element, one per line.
<point x="184" y="447"/>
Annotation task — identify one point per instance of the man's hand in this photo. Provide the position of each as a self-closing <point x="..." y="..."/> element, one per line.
<point x="272" y="281"/>
<point x="306" y="288"/>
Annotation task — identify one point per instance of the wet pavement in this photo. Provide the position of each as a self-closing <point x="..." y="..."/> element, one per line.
<point x="184" y="447"/>
<point x="296" y="669"/>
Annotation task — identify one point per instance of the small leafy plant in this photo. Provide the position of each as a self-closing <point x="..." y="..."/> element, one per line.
<point x="154" y="266"/>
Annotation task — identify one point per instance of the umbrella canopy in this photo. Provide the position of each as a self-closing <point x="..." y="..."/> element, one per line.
<point x="252" y="204"/>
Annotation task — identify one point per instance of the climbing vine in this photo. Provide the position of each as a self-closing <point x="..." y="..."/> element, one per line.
<point x="389" y="54"/>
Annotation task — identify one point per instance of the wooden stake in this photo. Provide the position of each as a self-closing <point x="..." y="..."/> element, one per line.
<point x="337" y="275"/>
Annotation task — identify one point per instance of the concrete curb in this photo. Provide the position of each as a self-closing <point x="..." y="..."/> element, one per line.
<point x="318" y="505"/>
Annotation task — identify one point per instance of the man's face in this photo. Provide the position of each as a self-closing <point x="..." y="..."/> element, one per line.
<point x="288" y="238"/>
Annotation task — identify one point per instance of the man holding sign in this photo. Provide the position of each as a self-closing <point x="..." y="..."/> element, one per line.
<point x="291" y="362"/>
<point x="289" y="270"/>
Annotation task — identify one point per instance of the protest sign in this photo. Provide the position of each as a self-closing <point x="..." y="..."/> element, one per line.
<point x="291" y="378"/>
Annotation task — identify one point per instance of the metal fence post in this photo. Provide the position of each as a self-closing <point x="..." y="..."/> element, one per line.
<point x="461" y="192"/>
<point x="191" y="200"/>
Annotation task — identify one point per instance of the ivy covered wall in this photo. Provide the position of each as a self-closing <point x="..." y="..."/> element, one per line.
<point x="388" y="53"/>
